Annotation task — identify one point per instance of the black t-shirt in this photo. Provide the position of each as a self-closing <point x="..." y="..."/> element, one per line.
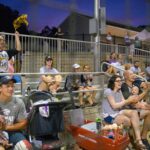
<point x="72" y="82"/>
<point x="5" y="56"/>
<point x="126" y="90"/>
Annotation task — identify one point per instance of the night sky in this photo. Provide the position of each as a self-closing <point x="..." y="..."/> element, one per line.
<point x="53" y="12"/>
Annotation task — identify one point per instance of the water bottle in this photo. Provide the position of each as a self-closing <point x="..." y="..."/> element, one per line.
<point x="98" y="124"/>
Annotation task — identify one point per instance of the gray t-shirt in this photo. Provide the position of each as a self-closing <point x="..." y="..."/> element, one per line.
<point x="106" y="107"/>
<point x="14" y="110"/>
<point x="135" y="70"/>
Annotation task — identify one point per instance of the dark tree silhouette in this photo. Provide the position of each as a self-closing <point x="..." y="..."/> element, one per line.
<point x="7" y="16"/>
<point x="48" y="32"/>
<point x="53" y="31"/>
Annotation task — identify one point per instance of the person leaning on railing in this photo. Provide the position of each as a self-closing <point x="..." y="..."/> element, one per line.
<point x="7" y="54"/>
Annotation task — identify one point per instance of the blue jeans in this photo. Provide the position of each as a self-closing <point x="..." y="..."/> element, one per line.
<point x="15" y="137"/>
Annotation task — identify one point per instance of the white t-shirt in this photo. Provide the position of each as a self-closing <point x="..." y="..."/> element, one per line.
<point x="48" y="70"/>
<point x="4" y="61"/>
<point x="148" y="71"/>
<point x="6" y="55"/>
<point x="135" y="70"/>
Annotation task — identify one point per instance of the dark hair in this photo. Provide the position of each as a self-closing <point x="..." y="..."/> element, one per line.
<point x="112" y="54"/>
<point x="136" y="61"/>
<point x="111" y="82"/>
<point x="86" y="66"/>
<point x="48" y="58"/>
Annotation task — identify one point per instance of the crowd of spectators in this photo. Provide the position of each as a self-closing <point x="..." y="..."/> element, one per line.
<point x="13" y="116"/>
<point x="125" y="99"/>
<point x="118" y="63"/>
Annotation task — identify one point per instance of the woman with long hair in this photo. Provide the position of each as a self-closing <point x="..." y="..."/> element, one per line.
<point x="113" y="107"/>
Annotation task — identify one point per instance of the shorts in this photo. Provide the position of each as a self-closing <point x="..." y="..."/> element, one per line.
<point x="15" y="137"/>
<point x="110" y="118"/>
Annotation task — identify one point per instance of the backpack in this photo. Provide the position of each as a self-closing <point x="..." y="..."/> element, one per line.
<point x="40" y="123"/>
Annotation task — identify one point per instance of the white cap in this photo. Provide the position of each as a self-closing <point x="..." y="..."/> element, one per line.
<point x="76" y="66"/>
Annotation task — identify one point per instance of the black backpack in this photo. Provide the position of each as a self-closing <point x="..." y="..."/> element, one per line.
<point x="39" y="126"/>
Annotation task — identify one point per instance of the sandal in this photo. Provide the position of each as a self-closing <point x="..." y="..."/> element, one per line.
<point x="140" y="145"/>
<point x="94" y="104"/>
<point x="82" y="106"/>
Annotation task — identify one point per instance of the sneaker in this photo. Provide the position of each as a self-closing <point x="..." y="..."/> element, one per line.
<point x="140" y="145"/>
<point x="145" y="142"/>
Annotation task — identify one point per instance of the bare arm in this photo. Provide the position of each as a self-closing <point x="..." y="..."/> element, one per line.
<point x="47" y="79"/>
<point x="17" y="126"/>
<point x="17" y="41"/>
<point x="142" y="95"/>
<point x="118" y="105"/>
<point x="144" y="85"/>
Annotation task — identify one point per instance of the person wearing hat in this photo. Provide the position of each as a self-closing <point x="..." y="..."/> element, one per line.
<point x="73" y="83"/>
<point x="49" y="82"/>
<point x="6" y="55"/>
<point x="14" y="112"/>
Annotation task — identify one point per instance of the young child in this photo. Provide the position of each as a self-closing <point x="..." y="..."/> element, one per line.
<point x="87" y="84"/>
<point x="140" y="105"/>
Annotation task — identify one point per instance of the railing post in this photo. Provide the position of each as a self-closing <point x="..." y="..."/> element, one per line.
<point x="116" y="49"/>
<point x="59" y="48"/>
<point x="97" y="37"/>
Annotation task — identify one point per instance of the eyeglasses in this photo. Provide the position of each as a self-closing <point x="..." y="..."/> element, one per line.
<point x="119" y="80"/>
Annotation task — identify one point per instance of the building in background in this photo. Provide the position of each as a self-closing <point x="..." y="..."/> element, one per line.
<point x="76" y="26"/>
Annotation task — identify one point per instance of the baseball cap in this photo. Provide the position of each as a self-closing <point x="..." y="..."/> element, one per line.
<point x="76" y="66"/>
<point x="6" y="79"/>
<point x="48" y="58"/>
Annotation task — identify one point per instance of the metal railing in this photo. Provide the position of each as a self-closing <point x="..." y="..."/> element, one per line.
<point x="121" y="69"/>
<point x="66" y="52"/>
<point x="26" y="79"/>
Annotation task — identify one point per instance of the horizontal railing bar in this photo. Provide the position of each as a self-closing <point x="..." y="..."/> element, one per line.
<point x="60" y="73"/>
<point x="122" y="70"/>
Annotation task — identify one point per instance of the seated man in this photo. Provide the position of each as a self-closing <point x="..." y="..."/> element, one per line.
<point x="48" y="82"/>
<point x="14" y="113"/>
<point x="6" y="55"/>
<point x="113" y="109"/>
<point x="144" y="113"/>
<point x="73" y="82"/>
